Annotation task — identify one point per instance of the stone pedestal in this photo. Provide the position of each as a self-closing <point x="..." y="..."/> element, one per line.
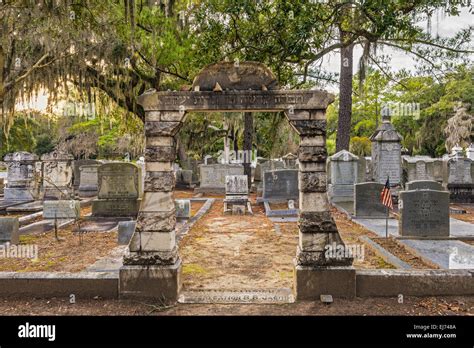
<point x="161" y="282"/>
<point x="316" y="272"/>
<point x="311" y="282"/>
<point x="152" y="268"/>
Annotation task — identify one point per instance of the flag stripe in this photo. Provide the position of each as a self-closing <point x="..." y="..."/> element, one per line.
<point x="386" y="195"/>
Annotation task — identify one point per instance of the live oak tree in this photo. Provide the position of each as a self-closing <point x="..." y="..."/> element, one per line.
<point x="294" y="37"/>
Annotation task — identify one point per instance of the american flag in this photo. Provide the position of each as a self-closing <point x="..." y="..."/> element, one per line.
<point x="386" y="195"/>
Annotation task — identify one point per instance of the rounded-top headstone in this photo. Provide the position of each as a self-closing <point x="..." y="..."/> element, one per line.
<point x="235" y="76"/>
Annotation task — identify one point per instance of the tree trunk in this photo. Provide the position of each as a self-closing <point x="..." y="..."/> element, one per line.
<point x="345" y="98"/>
<point x="248" y="138"/>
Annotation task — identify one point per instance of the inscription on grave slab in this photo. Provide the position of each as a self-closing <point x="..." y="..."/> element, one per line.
<point x="237" y="296"/>
<point x="367" y="200"/>
<point x="9" y="230"/>
<point x="424" y="213"/>
<point x="280" y="184"/>
<point x="66" y="209"/>
<point x="118" y="180"/>
<point x="213" y="175"/>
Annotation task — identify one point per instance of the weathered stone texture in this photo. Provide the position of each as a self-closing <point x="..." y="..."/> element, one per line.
<point x="312" y="181"/>
<point x="159" y="181"/>
<point x="160" y="154"/>
<point x="156" y="221"/>
<point x="312" y="154"/>
<point x="311" y="222"/>
<point x="161" y="128"/>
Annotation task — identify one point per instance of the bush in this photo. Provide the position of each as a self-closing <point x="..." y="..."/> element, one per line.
<point x="360" y="146"/>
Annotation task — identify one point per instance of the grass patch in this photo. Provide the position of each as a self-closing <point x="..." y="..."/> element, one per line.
<point x="193" y="268"/>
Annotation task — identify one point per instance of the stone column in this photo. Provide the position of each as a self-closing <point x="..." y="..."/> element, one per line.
<point x="152" y="267"/>
<point x="317" y="271"/>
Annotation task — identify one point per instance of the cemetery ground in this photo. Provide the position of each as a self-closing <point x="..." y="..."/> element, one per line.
<point x="224" y="252"/>
<point x="440" y="305"/>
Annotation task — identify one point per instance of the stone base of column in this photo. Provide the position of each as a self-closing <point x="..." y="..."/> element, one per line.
<point x="161" y="282"/>
<point x="311" y="282"/>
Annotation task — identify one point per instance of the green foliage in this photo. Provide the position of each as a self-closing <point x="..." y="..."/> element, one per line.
<point x="360" y="146"/>
<point x="29" y="132"/>
<point x="44" y="144"/>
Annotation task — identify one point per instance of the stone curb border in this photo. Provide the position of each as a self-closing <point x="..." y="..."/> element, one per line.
<point x="369" y="283"/>
<point x="385" y="255"/>
<point x="58" y="284"/>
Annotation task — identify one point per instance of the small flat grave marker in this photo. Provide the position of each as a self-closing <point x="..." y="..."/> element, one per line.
<point x="67" y="209"/>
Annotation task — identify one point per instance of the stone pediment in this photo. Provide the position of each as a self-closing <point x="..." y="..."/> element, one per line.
<point x="242" y="76"/>
<point x="20" y="156"/>
<point x="344" y="155"/>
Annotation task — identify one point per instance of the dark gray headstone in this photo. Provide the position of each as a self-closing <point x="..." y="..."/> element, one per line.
<point x="280" y="184"/>
<point x="125" y="231"/>
<point x="424" y="185"/>
<point x="424" y="213"/>
<point x="9" y="230"/>
<point x="367" y="200"/>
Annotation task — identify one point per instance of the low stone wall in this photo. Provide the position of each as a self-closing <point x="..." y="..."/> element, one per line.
<point x="58" y="284"/>
<point x="368" y="283"/>
<point x="388" y="282"/>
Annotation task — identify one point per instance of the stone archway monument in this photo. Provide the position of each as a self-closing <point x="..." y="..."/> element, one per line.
<point x="152" y="267"/>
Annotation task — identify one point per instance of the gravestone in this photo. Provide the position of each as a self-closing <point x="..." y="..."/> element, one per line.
<point x="386" y="153"/>
<point x="57" y="175"/>
<point x="344" y="174"/>
<point x="184" y="178"/>
<point x="461" y="180"/>
<point x="367" y="203"/>
<point x="125" y="231"/>
<point x="22" y="178"/>
<point x="368" y="169"/>
<point x="236" y="193"/>
<point x="290" y="161"/>
<point x="423" y="185"/>
<point x="194" y="166"/>
<point x="213" y="176"/>
<point x="470" y="152"/>
<point x="280" y="185"/>
<point x="424" y="213"/>
<point x="459" y="170"/>
<point x="141" y="165"/>
<point x="62" y="209"/>
<point x="89" y="182"/>
<point x="183" y="208"/>
<point x="361" y="169"/>
<point x="118" y="190"/>
<point x="422" y="168"/>
<point x="76" y="165"/>
<point x="9" y="230"/>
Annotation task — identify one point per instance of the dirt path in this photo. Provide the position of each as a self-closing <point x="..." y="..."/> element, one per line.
<point x="238" y="252"/>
